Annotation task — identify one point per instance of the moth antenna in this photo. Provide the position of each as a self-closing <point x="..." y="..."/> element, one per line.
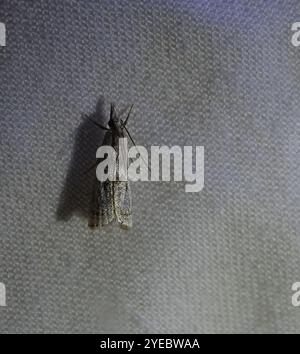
<point x="130" y="137"/>
<point x="123" y="111"/>
<point x="112" y="110"/>
<point x="128" y="115"/>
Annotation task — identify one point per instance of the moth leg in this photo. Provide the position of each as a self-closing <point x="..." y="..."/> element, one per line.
<point x="85" y="116"/>
<point x="99" y="125"/>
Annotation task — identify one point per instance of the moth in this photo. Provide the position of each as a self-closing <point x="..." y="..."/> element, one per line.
<point x="112" y="199"/>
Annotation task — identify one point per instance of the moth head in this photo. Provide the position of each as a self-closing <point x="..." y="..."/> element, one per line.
<point x="115" y="123"/>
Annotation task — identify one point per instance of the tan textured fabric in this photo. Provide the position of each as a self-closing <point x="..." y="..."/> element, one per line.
<point x="199" y="73"/>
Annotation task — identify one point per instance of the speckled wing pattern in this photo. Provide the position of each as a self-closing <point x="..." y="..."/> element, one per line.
<point x="115" y="197"/>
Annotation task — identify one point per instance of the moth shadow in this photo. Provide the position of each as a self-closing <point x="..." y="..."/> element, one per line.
<point x="78" y="195"/>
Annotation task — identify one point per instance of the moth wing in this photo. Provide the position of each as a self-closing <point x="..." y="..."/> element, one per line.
<point x="122" y="192"/>
<point x="122" y="203"/>
<point x="106" y="202"/>
<point x="115" y="196"/>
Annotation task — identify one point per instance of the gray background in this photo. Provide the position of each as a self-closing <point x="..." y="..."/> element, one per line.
<point x="222" y="74"/>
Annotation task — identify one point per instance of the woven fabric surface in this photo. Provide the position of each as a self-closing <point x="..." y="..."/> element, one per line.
<point x="219" y="74"/>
